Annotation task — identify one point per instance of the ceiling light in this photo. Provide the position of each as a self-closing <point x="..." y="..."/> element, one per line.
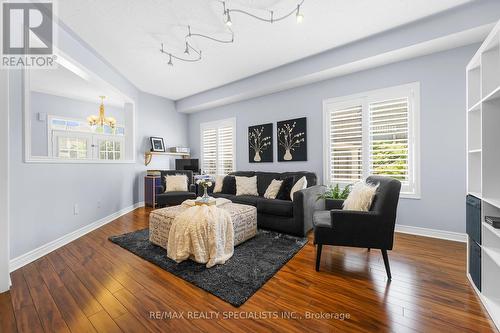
<point x="299" y="16"/>
<point x="228" y="20"/>
<point x="195" y="55"/>
<point x="101" y="120"/>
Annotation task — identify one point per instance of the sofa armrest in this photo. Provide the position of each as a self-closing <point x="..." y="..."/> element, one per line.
<point x="192" y="188"/>
<point x="305" y="203"/>
<point x="333" y="204"/>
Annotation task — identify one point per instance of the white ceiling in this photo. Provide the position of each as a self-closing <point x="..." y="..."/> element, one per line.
<point x="128" y="33"/>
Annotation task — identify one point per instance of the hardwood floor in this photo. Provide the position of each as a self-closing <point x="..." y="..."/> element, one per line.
<point x="93" y="285"/>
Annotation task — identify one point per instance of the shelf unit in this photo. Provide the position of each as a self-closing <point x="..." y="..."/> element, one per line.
<point x="483" y="162"/>
<point x="148" y="156"/>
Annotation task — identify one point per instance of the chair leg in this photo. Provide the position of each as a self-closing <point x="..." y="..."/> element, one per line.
<point x="318" y="256"/>
<point x="386" y="263"/>
<point x="369" y="249"/>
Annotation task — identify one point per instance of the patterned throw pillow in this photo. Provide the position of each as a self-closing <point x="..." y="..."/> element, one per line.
<point x="246" y="186"/>
<point x="177" y="183"/>
<point x="219" y="180"/>
<point x="301" y="184"/>
<point x="361" y="197"/>
<point x="273" y="189"/>
<point x="286" y="187"/>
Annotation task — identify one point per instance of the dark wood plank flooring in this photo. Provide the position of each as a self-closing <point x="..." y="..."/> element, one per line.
<point x="92" y="285"/>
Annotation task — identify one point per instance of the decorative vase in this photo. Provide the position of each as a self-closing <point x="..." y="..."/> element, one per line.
<point x="205" y="196"/>
<point x="288" y="156"/>
<point x="257" y="158"/>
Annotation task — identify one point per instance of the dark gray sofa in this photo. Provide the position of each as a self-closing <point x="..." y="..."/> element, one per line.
<point x="286" y="216"/>
<point x="177" y="197"/>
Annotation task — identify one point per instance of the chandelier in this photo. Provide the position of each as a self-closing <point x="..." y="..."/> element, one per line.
<point x="101" y="119"/>
<point x="192" y="54"/>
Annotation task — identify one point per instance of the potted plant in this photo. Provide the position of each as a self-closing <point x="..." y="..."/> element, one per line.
<point x="335" y="193"/>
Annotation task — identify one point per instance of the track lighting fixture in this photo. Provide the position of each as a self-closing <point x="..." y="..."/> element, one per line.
<point x="299" y="15"/>
<point x="226" y="13"/>
<point x="228" y="19"/>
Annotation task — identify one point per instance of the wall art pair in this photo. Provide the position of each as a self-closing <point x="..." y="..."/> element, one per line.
<point x="291" y="138"/>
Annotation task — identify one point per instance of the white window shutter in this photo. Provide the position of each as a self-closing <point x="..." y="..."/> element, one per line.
<point x="217" y="143"/>
<point x="389" y="144"/>
<point x="209" y="151"/>
<point x="346" y="144"/>
<point x="225" y="151"/>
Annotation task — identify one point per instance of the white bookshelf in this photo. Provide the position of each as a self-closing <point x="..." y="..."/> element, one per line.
<point x="483" y="161"/>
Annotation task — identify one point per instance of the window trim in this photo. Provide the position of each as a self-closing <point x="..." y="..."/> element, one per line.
<point x="364" y="99"/>
<point x="216" y="125"/>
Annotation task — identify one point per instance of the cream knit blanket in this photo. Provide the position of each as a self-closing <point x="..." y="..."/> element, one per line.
<point x="203" y="233"/>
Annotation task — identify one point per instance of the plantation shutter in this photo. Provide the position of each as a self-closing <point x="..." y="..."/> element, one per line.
<point x="346" y="144"/>
<point x="218" y="147"/>
<point x="389" y="134"/>
<point x="225" y="148"/>
<point x="209" y="151"/>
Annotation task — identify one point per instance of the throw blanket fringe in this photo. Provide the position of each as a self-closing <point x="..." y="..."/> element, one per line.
<point x="203" y="233"/>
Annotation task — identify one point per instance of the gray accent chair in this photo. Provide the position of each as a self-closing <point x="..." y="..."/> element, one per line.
<point x="372" y="229"/>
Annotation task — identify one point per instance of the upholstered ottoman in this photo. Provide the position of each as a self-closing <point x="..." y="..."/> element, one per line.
<point x="244" y="219"/>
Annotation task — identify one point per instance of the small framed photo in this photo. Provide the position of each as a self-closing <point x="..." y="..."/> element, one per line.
<point x="157" y="144"/>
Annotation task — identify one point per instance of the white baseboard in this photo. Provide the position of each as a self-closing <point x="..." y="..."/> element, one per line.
<point x="434" y="233"/>
<point x="39" y="252"/>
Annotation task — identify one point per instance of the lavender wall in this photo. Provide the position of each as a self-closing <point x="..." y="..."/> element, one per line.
<point x="442" y="79"/>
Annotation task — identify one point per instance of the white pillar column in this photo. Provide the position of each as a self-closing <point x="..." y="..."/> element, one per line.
<point x="4" y="181"/>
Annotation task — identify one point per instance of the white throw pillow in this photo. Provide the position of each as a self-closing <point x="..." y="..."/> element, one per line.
<point x="361" y="197"/>
<point x="176" y="183"/>
<point x="219" y="180"/>
<point x="246" y="186"/>
<point x="273" y="189"/>
<point x="299" y="185"/>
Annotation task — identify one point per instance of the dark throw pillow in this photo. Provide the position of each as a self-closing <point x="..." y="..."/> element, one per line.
<point x="286" y="187"/>
<point x="229" y="185"/>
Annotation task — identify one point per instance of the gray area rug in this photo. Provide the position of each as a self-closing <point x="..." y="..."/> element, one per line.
<point x="253" y="263"/>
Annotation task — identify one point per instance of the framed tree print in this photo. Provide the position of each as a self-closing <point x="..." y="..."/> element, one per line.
<point x="260" y="143"/>
<point x="292" y="140"/>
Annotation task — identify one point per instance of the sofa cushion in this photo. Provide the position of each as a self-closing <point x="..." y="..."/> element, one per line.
<point x="164" y="173"/>
<point x="310" y="176"/>
<point x="177" y="183"/>
<point x="273" y="189"/>
<point x="286" y="187"/>
<point x="174" y="198"/>
<point x="301" y="184"/>
<point x="243" y="173"/>
<point x="223" y="195"/>
<point x="275" y="207"/>
<point x="229" y="185"/>
<point x="246" y="186"/>
<point x="264" y="179"/>
<point x="219" y="180"/>
<point x="246" y="199"/>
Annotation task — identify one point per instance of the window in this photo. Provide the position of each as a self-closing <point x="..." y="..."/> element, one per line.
<point x="217" y="147"/>
<point x="374" y="133"/>
<point x="75" y="139"/>
<point x="72" y="147"/>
